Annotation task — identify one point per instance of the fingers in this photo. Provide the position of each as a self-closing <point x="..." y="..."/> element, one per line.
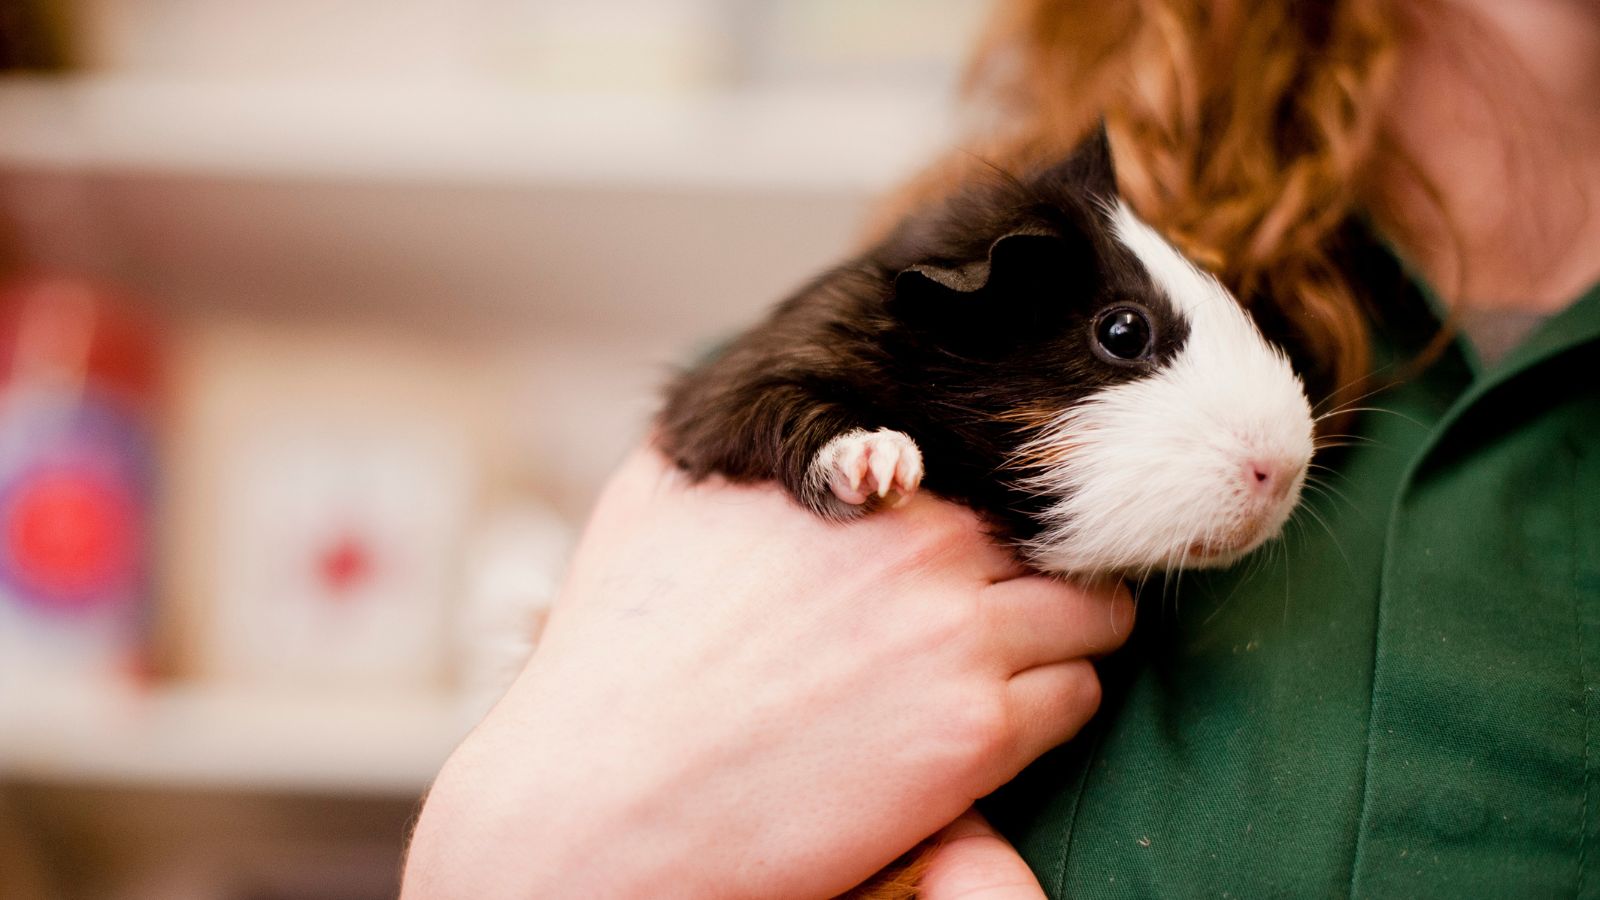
<point x="1037" y="621"/>
<point x="1047" y="705"/>
<point x="952" y="537"/>
<point x="645" y="476"/>
<point x="971" y="860"/>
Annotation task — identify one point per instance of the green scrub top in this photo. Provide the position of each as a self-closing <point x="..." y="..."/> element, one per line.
<point x="1396" y="700"/>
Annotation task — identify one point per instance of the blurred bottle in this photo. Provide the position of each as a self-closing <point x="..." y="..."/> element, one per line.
<point x="76" y="482"/>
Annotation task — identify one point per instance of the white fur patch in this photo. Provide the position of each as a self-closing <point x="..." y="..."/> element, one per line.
<point x="1155" y="473"/>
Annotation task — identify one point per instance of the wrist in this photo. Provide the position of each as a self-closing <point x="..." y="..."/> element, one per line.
<point x="545" y="799"/>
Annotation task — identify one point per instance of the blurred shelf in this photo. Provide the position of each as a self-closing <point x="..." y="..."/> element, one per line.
<point x="227" y="738"/>
<point x="676" y="216"/>
<point x="824" y="139"/>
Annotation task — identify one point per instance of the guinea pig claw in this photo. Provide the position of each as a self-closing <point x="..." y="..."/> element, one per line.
<point x="857" y="470"/>
<point x="884" y="462"/>
<point x="908" y="472"/>
<point x="860" y="464"/>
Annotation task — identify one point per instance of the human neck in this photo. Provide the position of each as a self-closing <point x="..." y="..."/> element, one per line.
<point x="1499" y="108"/>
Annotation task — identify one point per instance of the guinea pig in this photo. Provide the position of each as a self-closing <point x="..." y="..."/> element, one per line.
<point x="1030" y="349"/>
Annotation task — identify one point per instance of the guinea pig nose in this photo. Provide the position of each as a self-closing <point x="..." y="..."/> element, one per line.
<point x="1268" y="477"/>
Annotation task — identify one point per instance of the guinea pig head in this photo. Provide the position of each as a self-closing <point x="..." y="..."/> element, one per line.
<point x="1137" y="416"/>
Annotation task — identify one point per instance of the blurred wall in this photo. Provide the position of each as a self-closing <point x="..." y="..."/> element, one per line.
<point x="406" y="277"/>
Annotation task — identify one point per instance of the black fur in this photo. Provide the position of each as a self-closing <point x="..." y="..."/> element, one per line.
<point x="964" y="329"/>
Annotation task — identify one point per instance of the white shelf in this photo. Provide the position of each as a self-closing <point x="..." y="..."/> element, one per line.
<point x="676" y="215"/>
<point x="222" y="738"/>
<point x="797" y="140"/>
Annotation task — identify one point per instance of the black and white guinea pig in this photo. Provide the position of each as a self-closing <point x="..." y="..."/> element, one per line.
<point x="1033" y="350"/>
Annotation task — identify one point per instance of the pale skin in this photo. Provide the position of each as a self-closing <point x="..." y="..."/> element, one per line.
<point x="736" y="699"/>
<point x="1511" y="151"/>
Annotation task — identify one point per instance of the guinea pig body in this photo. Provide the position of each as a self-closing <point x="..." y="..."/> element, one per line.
<point x="1032" y="350"/>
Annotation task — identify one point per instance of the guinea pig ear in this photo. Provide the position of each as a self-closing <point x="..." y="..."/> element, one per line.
<point x="1089" y="166"/>
<point x="978" y="308"/>
<point x="971" y="276"/>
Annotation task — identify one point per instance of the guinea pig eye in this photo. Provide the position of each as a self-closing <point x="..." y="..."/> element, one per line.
<point x="1123" y="333"/>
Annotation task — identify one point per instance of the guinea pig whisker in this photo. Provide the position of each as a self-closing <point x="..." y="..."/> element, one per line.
<point x="1378" y="389"/>
<point x="1376" y="377"/>
<point x="1315" y="481"/>
<point x="1138" y="585"/>
<point x="1325" y="475"/>
<point x="1331" y="493"/>
<point x="1240" y="581"/>
<point x="1380" y="409"/>
<point x="1327" y="490"/>
<point x="1326" y="470"/>
<point x="1345" y="411"/>
<point x="1344" y="440"/>
<point x="1256" y="564"/>
<point x="1177" y="594"/>
<point x="1281" y="551"/>
<point x="1288" y="592"/>
<point x="1349" y="566"/>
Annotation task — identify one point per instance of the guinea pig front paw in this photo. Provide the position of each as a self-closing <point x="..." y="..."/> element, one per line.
<point x="860" y="466"/>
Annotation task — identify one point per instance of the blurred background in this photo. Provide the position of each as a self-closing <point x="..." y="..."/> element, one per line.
<point x="321" y="322"/>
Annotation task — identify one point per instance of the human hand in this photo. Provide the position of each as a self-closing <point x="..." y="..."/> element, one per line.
<point x="734" y="697"/>
<point x="970" y="859"/>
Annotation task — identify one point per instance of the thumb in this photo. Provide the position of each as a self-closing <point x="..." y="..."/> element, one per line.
<point x="971" y="860"/>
